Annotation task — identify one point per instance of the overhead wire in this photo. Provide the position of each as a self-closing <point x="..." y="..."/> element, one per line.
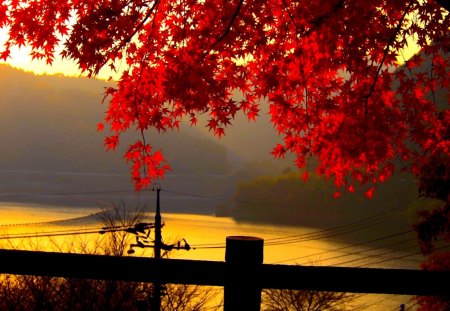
<point x="401" y="257"/>
<point x="49" y="222"/>
<point x="318" y="234"/>
<point x="412" y="306"/>
<point x="100" y="230"/>
<point x="340" y="249"/>
<point x="207" y="247"/>
<point x="377" y="302"/>
<point x="326" y="233"/>
<point x="368" y="250"/>
<point x="408" y="246"/>
<point x="334" y="232"/>
<point x="63" y="194"/>
<point x="34" y="194"/>
<point x="351" y="227"/>
<point x="44" y="234"/>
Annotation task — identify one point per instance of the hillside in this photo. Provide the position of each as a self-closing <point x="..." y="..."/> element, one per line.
<point x="50" y="144"/>
<point x="49" y="123"/>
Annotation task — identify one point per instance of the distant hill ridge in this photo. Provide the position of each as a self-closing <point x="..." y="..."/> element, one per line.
<point x="49" y="123"/>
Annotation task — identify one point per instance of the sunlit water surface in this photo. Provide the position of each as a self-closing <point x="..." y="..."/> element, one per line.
<point x="49" y="228"/>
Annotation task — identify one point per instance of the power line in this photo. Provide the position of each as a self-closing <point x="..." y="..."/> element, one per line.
<point x="49" y="222"/>
<point x="351" y="227"/>
<point x="412" y="306"/>
<point x="292" y="238"/>
<point x="34" y="194"/>
<point x="66" y="219"/>
<point x="327" y="233"/>
<point x="232" y="200"/>
<point x="49" y="234"/>
<point x="378" y="255"/>
<point x="369" y="250"/>
<point x="207" y="247"/>
<point x="349" y="246"/>
<point x="99" y="230"/>
<point x="319" y="234"/>
<point x="401" y="257"/>
<point x="365" y="306"/>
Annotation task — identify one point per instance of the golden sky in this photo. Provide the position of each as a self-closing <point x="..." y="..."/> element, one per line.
<point x="20" y="58"/>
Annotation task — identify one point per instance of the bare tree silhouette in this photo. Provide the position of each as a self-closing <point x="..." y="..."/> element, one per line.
<point x="25" y="293"/>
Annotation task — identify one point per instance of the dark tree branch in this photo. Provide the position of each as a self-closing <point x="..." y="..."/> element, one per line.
<point x="319" y="20"/>
<point x="291" y="17"/>
<point x="386" y="51"/>
<point x="141" y="24"/>
<point x="122" y="44"/>
<point x="432" y="84"/>
<point x="230" y="24"/>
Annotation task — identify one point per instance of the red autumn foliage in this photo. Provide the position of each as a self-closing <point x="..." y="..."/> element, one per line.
<point x="433" y="226"/>
<point x="439" y="262"/>
<point x="326" y="68"/>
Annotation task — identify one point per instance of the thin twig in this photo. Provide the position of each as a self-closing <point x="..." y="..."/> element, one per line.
<point x="432" y="84"/>
<point x="386" y="51"/>
<point x="230" y="24"/>
<point x="291" y="17"/>
<point x="127" y="40"/>
<point x="409" y="70"/>
<point x="319" y="20"/>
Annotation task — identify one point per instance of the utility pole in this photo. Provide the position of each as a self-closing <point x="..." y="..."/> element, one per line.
<point x="156" y="299"/>
<point x="142" y="233"/>
<point x="158" y="226"/>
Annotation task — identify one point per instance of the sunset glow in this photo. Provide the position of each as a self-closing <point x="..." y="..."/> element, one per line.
<point x="208" y="155"/>
<point x="20" y="58"/>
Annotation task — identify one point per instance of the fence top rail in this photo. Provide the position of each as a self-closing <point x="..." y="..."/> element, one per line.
<point x="216" y="273"/>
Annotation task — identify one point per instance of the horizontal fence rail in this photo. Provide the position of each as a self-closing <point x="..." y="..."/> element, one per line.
<point x="214" y="273"/>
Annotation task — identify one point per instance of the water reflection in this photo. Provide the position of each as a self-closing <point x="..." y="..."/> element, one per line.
<point x="77" y="230"/>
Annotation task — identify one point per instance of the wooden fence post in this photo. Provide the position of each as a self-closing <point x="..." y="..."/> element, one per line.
<point x="244" y="257"/>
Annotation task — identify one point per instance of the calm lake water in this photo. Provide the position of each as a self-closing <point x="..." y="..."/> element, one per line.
<point x="58" y="227"/>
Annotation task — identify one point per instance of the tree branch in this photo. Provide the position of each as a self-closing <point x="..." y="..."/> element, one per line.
<point x="141" y="24"/>
<point x="125" y="41"/>
<point x="386" y="51"/>
<point x="286" y="7"/>
<point x="227" y="30"/>
<point x="432" y="83"/>
<point x="319" y="20"/>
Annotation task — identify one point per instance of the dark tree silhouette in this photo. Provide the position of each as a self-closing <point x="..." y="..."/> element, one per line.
<point x="297" y="300"/>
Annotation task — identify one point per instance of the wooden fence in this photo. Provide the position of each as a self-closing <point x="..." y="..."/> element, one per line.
<point x="242" y="275"/>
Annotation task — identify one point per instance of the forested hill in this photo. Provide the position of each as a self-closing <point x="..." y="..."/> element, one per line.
<point x="287" y="199"/>
<point x="49" y="123"/>
<point x="50" y="144"/>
